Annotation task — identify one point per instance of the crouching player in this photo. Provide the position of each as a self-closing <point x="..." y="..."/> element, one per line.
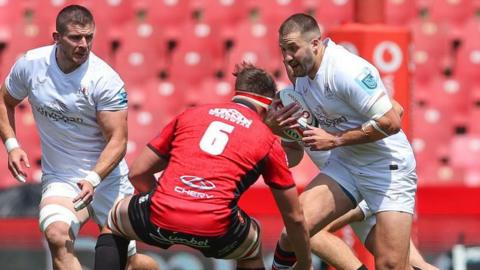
<point x="209" y="155"/>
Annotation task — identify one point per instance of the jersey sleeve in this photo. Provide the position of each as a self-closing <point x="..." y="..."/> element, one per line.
<point x="361" y="87"/>
<point x="112" y="96"/>
<point x="162" y="144"/>
<point x="276" y="173"/>
<point x="16" y="81"/>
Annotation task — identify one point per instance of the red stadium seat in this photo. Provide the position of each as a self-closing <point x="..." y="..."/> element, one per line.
<point x="449" y="95"/>
<point x="199" y="53"/>
<point x="474" y="112"/>
<point x="331" y="13"/>
<point x="431" y="50"/>
<point x="165" y="98"/>
<point x="152" y="105"/>
<point x="166" y="13"/>
<point x="465" y="155"/>
<point x="141" y="52"/>
<point x="452" y="12"/>
<point x="254" y="43"/>
<point x="273" y="12"/>
<point x="400" y="12"/>
<point x="29" y="30"/>
<point x="114" y="13"/>
<point x="211" y="90"/>
<point x="219" y="13"/>
<point x="428" y="145"/>
<point x="468" y="58"/>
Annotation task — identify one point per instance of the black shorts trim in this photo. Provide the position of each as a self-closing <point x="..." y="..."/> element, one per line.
<point x="216" y="247"/>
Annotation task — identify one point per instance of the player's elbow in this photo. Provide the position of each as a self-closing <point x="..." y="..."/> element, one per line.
<point x="395" y="126"/>
<point x="294" y="219"/>
<point x="390" y="123"/>
<point x="294" y="153"/>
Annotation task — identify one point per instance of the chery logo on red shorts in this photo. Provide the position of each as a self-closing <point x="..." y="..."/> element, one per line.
<point x="197" y="182"/>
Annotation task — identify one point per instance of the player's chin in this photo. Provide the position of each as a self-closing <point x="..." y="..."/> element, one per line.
<point x="299" y="72"/>
<point x="80" y="58"/>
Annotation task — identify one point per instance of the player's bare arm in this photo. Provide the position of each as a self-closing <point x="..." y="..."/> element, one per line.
<point x="113" y="125"/>
<point x="373" y="130"/>
<point x="143" y="169"/>
<point x="17" y="158"/>
<point x="398" y="108"/>
<point x="292" y="214"/>
<point x="294" y="151"/>
<point x="353" y="215"/>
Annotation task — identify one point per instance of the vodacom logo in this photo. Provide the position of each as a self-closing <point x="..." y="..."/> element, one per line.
<point x="387" y="56"/>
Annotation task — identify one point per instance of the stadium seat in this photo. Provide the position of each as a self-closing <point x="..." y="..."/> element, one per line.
<point x="465" y="151"/>
<point x="141" y="52"/>
<point x="474" y="112"/>
<point x="118" y="12"/>
<point x="165" y="98"/>
<point x="219" y="13"/>
<point x="166" y="13"/>
<point x="400" y="12"/>
<point x="273" y="12"/>
<point x="152" y="105"/>
<point x="199" y="54"/>
<point x="255" y="43"/>
<point x="26" y="32"/>
<point x="468" y="58"/>
<point x="331" y="13"/>
<point x="431" y="50"/>
<point x="449" y="94"/>
<point x="427" y="144"/>
<point x="211" y="90"/>
<point x="451" y="12"/>
<point x="10" y="12"/>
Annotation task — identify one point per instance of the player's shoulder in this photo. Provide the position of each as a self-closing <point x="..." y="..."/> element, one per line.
<point x="343" y="64"/>
<point x="99" y="68"/>
<point x="41" y="54"/>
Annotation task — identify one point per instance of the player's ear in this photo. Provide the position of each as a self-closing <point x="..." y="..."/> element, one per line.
<point x="315" y="43"/>
<point x="56" y="36"/>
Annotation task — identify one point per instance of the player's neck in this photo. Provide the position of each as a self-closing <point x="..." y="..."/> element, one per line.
<point x="246" y="103"/>
<point x="63" y="64"/>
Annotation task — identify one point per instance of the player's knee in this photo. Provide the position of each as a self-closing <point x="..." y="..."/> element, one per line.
<point x="141" y="262"/>
<point x="59" y="224"/>
<point x="389" y="262"/>
<point x="57" y="235"/>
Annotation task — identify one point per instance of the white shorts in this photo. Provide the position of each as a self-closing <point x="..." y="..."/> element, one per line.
<point x="106" y="194"/>
<point x="383" y="187"/>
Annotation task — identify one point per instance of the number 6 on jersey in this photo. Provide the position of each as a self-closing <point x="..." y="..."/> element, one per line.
<point x="215" y="138"/>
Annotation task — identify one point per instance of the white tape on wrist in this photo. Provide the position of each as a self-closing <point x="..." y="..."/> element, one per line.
<point x="93" y="178"/>
<point x="10" y="144"/>
<point x="373" y="124"/>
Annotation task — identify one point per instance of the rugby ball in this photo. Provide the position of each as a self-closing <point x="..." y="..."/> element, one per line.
<point x="288" y="96"/>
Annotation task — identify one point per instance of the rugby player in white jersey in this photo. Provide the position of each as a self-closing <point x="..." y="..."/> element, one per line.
<point x="370" y="159"/>
<point x="325" y="244"/>
<point x="79" y="105"/>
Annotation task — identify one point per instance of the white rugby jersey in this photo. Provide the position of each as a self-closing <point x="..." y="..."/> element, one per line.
<point x="340" y="96"/>
<point x="64" y="107"/>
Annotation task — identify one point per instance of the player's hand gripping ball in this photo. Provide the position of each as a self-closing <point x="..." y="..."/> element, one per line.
<point x="306" y="118"/>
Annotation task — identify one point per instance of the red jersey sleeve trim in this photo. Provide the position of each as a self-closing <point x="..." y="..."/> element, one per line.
<point x="272" y="185"/>
<point x="162" y="155"/>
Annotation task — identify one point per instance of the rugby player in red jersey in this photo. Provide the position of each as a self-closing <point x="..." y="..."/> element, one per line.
<point x="209" y="156"/>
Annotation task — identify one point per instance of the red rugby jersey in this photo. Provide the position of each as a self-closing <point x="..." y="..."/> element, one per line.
<point x="215" y="153"/>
